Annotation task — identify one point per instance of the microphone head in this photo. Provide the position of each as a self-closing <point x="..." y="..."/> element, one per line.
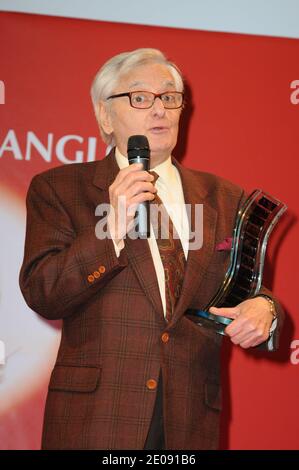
<point x="138" y="146"/>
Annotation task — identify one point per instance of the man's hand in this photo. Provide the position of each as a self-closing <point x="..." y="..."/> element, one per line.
<point x="251" y="323"/>
<point x="131" y="186"/>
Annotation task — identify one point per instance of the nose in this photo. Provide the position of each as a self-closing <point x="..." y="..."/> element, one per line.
<point x="158" y="108"/>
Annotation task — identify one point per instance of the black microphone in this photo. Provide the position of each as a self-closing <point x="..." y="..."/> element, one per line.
<point x="139" y="152"/>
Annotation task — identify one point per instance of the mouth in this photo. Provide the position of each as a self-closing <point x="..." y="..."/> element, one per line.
<point x="159" y="129"/>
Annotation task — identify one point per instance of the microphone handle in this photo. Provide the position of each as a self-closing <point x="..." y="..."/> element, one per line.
<point x="143" y="209"/>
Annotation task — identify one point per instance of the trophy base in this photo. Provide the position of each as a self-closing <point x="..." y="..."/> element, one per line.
<point x="211" y="321"/>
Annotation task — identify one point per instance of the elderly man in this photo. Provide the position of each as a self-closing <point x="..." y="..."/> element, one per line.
<point x="133" y="372"/>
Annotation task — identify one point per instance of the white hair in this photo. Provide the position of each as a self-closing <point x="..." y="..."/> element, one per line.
<point x="107" y="78"/>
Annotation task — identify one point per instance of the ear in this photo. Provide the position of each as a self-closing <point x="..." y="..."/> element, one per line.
<point x="103" y="115"/>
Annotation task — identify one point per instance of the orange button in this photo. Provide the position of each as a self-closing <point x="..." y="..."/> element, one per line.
<point x="151" y="384"/>
<point x="96" y="274"/>
<point x="165" y="337"/>
<point x="102" y="269"/>
<point x="90" y="278"/>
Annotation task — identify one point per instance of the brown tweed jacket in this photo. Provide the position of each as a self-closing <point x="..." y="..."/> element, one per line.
<point x="103" y="387"/>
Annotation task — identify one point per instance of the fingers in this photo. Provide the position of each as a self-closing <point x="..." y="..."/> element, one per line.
<point x="122" y="174"/>
<point x="127" y="176"/>
<point x="240" y="337"/>
<point x="248" y="328"/>
<point x="136" y="200"/>
<point x="231" y="312"/>
<point x="247" y="332"/>
<point x="129" y="182"/>
<point x="140" y="187"/>
<point x="132" y="186"/>
<point x="251" y="340"/>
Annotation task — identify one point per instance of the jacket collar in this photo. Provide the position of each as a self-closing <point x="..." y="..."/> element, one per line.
<point x="106" y="171"/>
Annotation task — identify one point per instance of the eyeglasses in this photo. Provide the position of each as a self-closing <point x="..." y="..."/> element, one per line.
<point x="146" y="99"/>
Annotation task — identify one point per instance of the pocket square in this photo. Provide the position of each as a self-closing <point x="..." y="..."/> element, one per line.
<point x="225" y="245"/>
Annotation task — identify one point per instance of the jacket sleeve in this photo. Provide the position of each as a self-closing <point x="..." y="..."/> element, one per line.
<point x="62" y="269"/>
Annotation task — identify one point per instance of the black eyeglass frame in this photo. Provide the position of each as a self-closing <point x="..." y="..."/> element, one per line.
<point x="156" y="95"/>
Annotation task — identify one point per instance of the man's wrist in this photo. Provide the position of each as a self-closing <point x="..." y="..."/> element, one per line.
<point x="270" y="302"/>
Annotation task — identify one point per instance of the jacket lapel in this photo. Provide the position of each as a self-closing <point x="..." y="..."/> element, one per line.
<point x="137" y="251"/>
<point x="198" y="259"/>
<point x="140" y="258"/>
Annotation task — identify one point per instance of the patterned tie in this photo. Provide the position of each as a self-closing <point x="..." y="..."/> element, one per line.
<point x="171" y="252"/>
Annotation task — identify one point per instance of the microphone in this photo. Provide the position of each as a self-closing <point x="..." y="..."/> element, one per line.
<point x="139" y="152"/>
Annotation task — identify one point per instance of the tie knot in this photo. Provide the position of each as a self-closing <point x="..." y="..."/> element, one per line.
<point x="155" y="175"/>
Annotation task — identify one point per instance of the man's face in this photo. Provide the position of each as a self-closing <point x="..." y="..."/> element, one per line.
<point x="158" y="124"/>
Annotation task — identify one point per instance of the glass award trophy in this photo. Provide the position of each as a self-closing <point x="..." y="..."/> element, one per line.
<point x="243" y="279"/>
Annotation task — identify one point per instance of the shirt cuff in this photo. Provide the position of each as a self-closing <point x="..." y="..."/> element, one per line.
<point x="270" y="340"/>
<point x="118" y="246"/>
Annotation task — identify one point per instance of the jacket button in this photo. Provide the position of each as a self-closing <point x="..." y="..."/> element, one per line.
<point x="96" y="274"/>
<point x="151" y="384"/>
<point x="90" y="278"/>
<point x="165" y="337"/>
<point x="102" y="269"/>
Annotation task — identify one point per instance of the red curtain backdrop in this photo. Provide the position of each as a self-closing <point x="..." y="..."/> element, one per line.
<point x="241" y="122"/>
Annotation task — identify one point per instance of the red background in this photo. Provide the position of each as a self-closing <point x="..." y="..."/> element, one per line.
<point x="239" y="123"/>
